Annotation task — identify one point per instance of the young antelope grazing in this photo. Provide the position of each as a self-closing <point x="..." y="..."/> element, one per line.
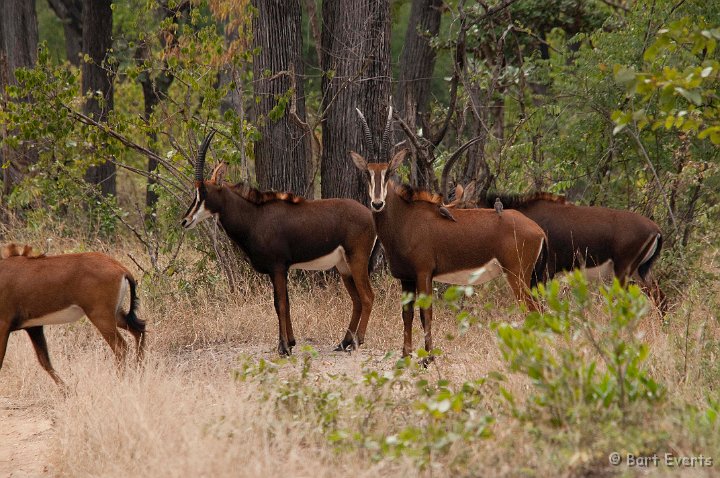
<point x="280" y="231"/>
<point x="39" y="290"/>
<point x="424" y="242"/>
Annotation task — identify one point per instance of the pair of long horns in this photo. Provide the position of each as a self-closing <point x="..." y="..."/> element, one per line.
<point x="202" y="152"/>
<point x="369" y="143"/>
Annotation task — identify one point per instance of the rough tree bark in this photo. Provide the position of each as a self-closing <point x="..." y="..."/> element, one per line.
<point x="356" y="65"/>
<point x="97" y="75"/>
<point x="70" y="14"/>
<point x="282" y="155"/>
<point x="417" y="63"/>
<point x="18" y="49"/>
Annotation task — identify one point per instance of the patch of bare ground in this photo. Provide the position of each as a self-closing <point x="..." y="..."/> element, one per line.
<point x="25" y="440"/>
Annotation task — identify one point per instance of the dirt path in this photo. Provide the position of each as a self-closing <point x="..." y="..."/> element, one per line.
<point x="25" y="437"/>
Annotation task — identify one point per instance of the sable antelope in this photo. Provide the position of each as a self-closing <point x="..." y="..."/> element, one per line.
<point x="280" y="231"/>
<point x="599" y="238"/>
<point x="39" y="290"/>
<point x="424" y="244"/>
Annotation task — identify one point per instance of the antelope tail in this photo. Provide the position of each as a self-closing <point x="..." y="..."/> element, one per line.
<point x="540" y="270"/>
<point x="131" y="317"/>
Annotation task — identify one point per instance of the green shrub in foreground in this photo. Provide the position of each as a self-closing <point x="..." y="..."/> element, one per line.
<point x="582" y="363"/>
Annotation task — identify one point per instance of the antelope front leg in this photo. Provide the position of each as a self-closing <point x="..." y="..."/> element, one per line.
<point x="408" y="287"/>
<point x="425" y="287"/>
<point x="282" y="308"/>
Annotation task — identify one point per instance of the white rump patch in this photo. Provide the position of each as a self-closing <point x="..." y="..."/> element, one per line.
<point x="124" y="287"/>
<point x="335" y="259"/>
<point x="651" y="251"/>
<point x="64" y="316"/>
<point x="486" y="273"/>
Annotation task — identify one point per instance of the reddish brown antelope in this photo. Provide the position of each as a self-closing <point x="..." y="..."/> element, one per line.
<point x="600" y="239"/>
<point x="39" y="290"/>
<point x="280" y="231"/>
<point x="425" y="243"/>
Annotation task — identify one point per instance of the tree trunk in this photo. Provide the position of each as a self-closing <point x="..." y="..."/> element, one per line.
<point x="417" y="63"/>
<point x="97" y="76"/>
<point x="356" y="67"/>
<point x="70" y="14"/>
<point x="282" y="155"/>
<point x="154" y="89"/>
<point x="18" y="49"/>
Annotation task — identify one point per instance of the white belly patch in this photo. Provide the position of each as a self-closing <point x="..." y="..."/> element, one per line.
<point x="479" y="275"/>
<point x="64" y="316"/>
<point x="335" y="259"/>
<point x="602" y="273"/>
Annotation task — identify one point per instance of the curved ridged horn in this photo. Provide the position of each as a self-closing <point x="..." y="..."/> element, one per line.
<point x="200" y="163"/>
<point x="366" y="132"/>
<point x="385" y="149"/>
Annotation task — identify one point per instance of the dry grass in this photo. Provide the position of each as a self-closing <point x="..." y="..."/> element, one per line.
<point x="185" y="413"/>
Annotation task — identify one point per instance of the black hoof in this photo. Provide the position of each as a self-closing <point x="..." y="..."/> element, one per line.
<point x="291" y="344"/>
<point x="345" y="347"/>
<point x="284" y="351"/>
<point x="424" y="363"/>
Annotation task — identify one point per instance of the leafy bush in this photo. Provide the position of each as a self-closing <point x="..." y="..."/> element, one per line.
<point x="582" y="365"/>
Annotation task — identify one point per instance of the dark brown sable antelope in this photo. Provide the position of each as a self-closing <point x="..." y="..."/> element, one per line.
<point x="39" y="290"/>
<point x="604" y="241"/>
<point x="424" y="242"/>
<point x="280" y="231"/>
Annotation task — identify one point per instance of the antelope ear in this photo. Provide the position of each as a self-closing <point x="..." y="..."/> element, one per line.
<point x="359" y="161"/>
<point x="397" y="160"/>
<point x="459" y="192"/>
<point x="218" y="174"/>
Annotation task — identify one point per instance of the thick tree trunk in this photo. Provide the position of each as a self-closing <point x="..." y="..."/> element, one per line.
<point x="417" y="63"/>
<point x="18" y="49"/>
<point x="356" y="66"/>
<point x="282" y="159"/>
<point x="70" y="14"/>
<point x="97" y="75"/>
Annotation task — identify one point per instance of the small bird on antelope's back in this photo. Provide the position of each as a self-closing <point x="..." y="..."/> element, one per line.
<point x="498" y="206"/>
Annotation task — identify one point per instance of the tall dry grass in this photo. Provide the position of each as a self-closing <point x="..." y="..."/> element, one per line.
<point x="185" y="412"/>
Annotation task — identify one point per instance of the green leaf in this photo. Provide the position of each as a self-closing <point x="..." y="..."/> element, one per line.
<point x="625" y="76"/>
<point x="692" y="96"/>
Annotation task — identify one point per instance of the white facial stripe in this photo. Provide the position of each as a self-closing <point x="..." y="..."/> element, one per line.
<point x="383" y="184"/>
<point x="200" y="215"/>
<point x="374" y="195"/>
